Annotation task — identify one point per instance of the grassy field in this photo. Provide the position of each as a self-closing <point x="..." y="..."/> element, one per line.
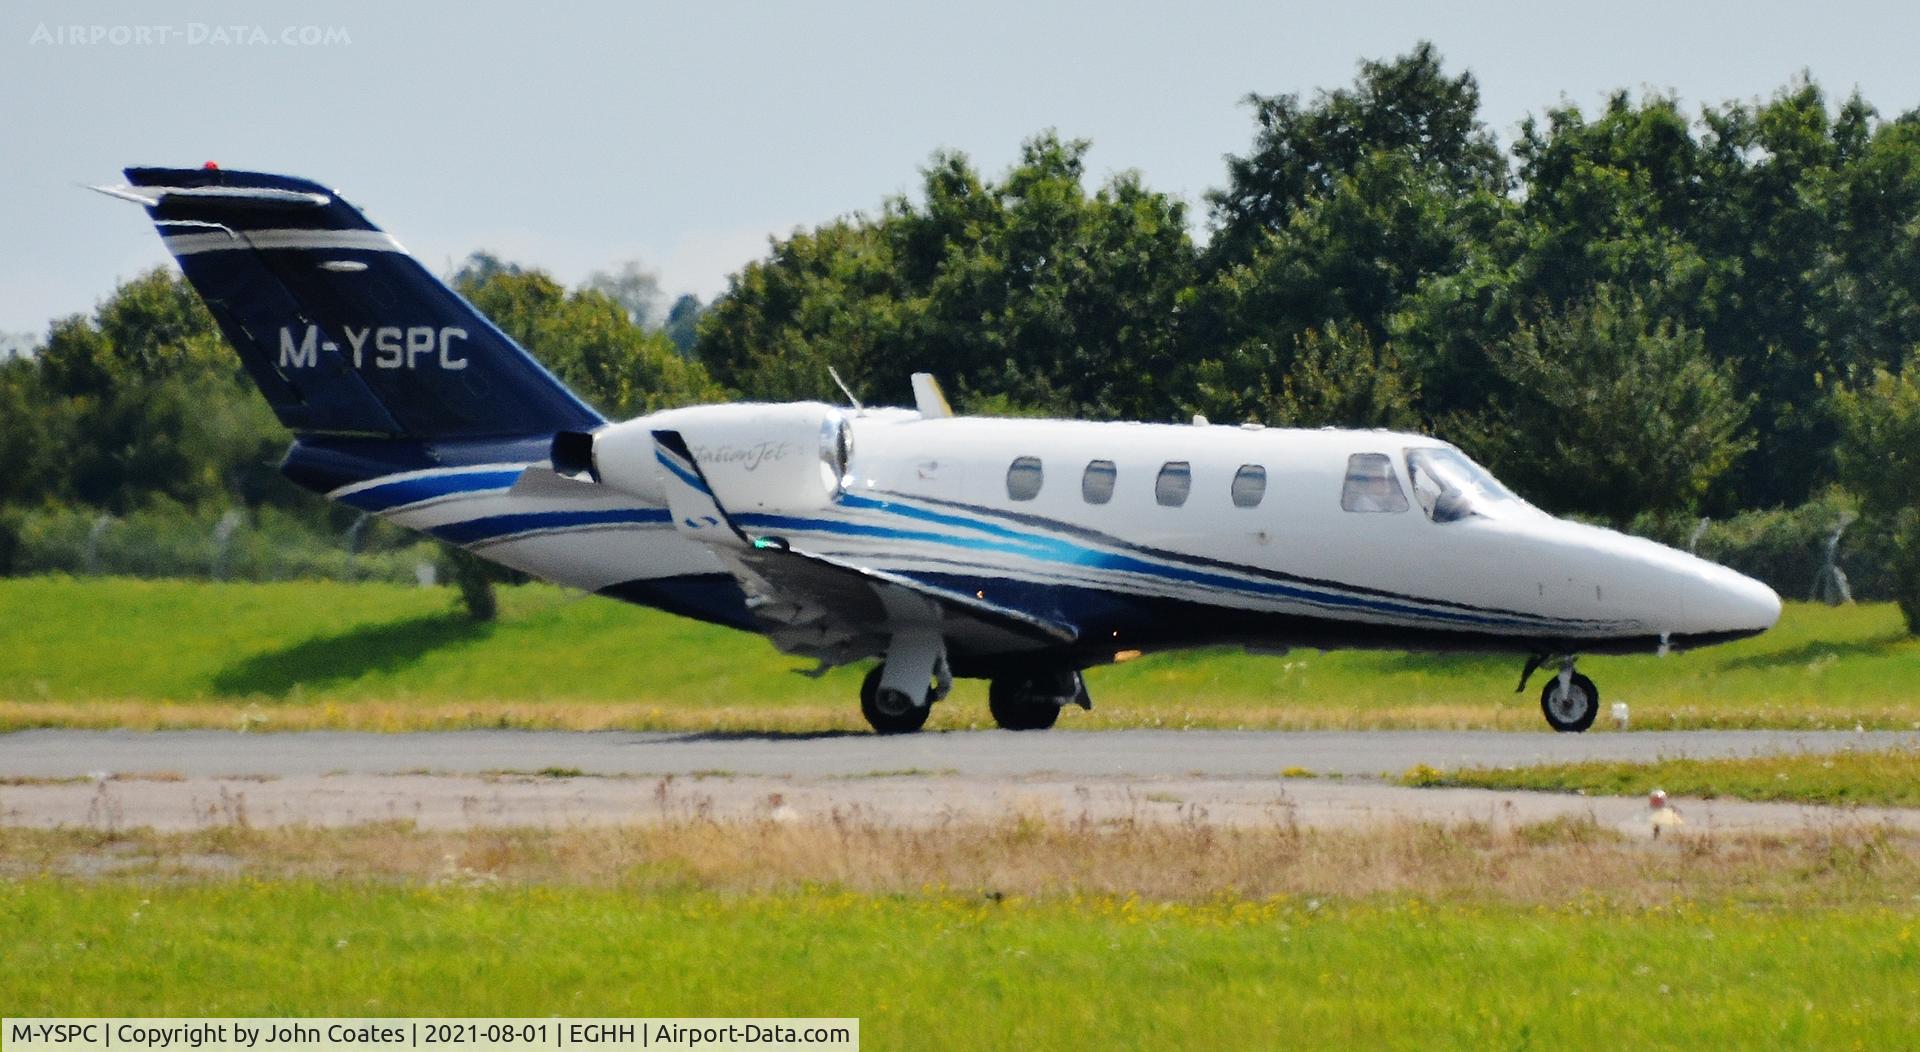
<point x="1887" y="778"/>
<point x="108" y="652"/>
<point x="1027" y="932"/>
<point x="1861" y="866"/>
<point x="1013" y="935"/>
<point x="962" y="973"/>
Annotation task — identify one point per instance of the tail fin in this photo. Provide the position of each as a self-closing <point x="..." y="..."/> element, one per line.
<point x="344" y="331"/>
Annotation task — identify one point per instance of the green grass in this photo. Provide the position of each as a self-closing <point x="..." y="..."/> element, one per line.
<point x="1887" y="778"/>
<point x="112" y="652"/>
<point x="963" y="972"/>
<point x="322" y="640"/>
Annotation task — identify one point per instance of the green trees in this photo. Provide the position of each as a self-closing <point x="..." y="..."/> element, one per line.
<point x="1405" y="114"/>
<point x="141" y="405"/>
<point x="1370" y="207"/>
<point x="1335" y="378"/>
<point x="1613" y="412"/>
<point x="592" y="342"/>
<point x="1027" y="289"/>
<point x="1880" y="461"/>
<point x="823" y="298"/>
<point x="1774" y="228"/>
<point x="1635" y="308"/>
<point x="141" y="401"/>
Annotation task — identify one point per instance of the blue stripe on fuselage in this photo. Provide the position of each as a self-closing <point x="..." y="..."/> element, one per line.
<point x="977" y="536"/>
<point x="1053" y="550"/>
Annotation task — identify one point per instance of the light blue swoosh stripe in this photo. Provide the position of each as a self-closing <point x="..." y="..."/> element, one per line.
<point x="1076" y="554"/>
<point x="1064" y="552"/>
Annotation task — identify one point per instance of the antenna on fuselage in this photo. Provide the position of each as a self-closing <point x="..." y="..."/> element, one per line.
<point x="845" y="390"/>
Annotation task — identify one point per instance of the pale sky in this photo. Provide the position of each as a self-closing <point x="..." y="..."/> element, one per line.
<point x="577" y="136"/>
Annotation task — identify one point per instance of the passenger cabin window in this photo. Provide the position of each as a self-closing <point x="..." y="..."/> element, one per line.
<point x="1176" y="479"/>
<point x="1249" y="486"/>
<point x="1024" y="478"/>
<point x="1372" y="485"/>
<point x="1096" y="485"/>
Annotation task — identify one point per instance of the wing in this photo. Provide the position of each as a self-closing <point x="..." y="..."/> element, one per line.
<point x="826" y="607"/>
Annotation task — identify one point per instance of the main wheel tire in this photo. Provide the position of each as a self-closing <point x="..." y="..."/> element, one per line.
<point x="1575" y="711"/>
<point x="1027" y="703"/>
<point x="889" y="711"/>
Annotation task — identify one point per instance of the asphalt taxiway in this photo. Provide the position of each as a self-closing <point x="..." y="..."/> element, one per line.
<point x="42" y="754"/>
<point x="473" y="779"/>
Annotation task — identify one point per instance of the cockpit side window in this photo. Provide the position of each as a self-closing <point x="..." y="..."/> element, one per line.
<point x="1372" y="485"/>
<point x="1450" y="487"/>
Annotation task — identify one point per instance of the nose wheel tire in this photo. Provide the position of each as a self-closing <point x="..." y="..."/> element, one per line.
<point x="889" y="711"/>
<point x="1030" y="703"/>
<point x="1572" y="710"/>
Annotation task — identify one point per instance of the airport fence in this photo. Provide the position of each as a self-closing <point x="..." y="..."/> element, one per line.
<point x="1821" y="550"/>
<point x="170" y="541"/>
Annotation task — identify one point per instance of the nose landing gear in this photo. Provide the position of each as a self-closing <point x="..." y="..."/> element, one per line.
<point x="1570" y="701"/>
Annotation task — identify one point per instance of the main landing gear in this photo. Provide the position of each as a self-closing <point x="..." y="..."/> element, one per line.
<point x="1032" y="701"/>
<point x="898" y="691"/>
<point x="1028" y="701"/>
<point x="892" y="711"/>
<point x="1569" y="700"/>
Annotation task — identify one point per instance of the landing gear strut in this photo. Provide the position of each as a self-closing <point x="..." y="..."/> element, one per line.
<point x="898" y="691"/>
<point x="1032" y="701"/>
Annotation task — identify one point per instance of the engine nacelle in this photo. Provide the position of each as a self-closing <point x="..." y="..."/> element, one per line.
<point x="790" y="456"/>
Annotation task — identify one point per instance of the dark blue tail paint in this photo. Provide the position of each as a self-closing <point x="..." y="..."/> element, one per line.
<point x="345" y="333"/>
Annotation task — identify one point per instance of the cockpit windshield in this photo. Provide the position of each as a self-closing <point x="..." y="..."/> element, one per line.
<point x="1450" y="487"/>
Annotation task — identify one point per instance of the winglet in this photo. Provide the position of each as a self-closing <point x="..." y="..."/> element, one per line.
<point x="696" y="511"/>
<point x="929" y="399"/>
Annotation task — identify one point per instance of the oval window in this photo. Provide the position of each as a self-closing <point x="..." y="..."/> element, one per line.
<point x="1096" y="485"/>
<point x="1249" y="486"/>
<point x="1176" y="479"/>
<point x="1024" y="478"/>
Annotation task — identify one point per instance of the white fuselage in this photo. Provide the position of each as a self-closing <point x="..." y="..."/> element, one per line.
<point x="1087" y="523"/>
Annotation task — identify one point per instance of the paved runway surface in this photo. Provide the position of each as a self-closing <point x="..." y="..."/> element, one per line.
<point x="470" y="779"/>
<point x="1003" y="754"/>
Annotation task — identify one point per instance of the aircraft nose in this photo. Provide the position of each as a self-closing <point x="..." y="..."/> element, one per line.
<point x="1722" y="600"/>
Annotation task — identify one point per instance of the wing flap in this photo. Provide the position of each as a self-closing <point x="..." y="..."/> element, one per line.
<point x="821" y="575"/>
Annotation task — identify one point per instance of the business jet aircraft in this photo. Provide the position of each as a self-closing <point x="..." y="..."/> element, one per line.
<point x="1020" y="551"/>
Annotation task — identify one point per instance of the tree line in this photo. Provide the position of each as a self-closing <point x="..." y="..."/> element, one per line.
<point x="1631" y="311"/>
